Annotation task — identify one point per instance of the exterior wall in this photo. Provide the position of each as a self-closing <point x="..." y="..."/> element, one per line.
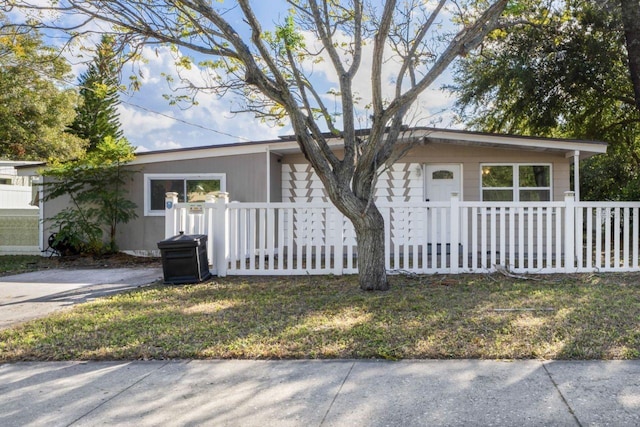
<point x="403" y="183"/>
<point x="275" y="168"/>
<point x="472" y="157"/>
<point x="246" y="181"/>
<point x="293" y="180"/>
<point x="47" y="210"/>
<point x="246" y="178"/>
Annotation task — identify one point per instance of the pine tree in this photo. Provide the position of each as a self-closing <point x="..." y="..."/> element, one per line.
<point x="97" y="116"/>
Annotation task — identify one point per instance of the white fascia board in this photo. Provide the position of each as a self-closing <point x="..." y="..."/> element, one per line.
<point x="16" y="163"/>
<point x="210" y="151"/>
<point x="519" y="141"/>
<point x="276" y="147"/>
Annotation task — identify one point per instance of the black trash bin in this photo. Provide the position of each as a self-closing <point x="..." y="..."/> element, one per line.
<point x="184" y="258"/>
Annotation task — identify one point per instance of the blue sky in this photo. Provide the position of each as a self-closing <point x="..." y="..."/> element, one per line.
<point x="150" y="123"/>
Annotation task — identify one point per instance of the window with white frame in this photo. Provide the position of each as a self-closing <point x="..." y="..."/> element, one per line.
<point x="516" y="182"/>
<point x="191" y="188"/>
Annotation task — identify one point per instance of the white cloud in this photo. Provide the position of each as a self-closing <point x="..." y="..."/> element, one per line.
<point x="136" y="123"/>
<point x="166" y="145"/>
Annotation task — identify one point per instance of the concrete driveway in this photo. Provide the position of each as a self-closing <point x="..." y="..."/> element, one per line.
<point x="30" y="295"/>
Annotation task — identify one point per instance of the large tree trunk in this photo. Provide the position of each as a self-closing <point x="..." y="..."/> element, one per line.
<point x="369" y="228"/>
<point x="631" y="21"/>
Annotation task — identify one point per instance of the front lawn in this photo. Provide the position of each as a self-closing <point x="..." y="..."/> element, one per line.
<point x="466" y="316"/>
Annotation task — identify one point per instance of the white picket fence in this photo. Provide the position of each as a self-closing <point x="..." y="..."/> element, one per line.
<point x="425" y="238"/>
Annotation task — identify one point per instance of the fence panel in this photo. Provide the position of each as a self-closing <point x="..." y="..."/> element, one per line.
<point x="519" y="237"/>
<point x="19" y="231"/>
<point x="15" y="196"/>
<point x="608" y="238"/>
<point x="424" y="238"/>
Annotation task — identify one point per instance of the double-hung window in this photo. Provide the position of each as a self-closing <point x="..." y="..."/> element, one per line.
<point x="516" y="183"/>
<point x="191" y="188"/>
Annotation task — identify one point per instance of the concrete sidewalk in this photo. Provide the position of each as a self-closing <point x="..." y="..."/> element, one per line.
<point x="30" y="295"/>
<point x="321" y="393"/>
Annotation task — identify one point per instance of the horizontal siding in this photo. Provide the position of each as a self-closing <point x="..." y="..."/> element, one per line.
<point x="471" y="158"/>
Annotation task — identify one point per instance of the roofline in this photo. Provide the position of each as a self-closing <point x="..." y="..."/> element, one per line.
<point x="288" y="142"/>
<point x="216" y="146"/>
<point x="484" y="138"/>
<point x="362" y="132"/>
<point x="512" y="136"/>
<point x="19" y="163"/>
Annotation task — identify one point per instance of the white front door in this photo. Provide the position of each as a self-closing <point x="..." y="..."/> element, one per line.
<point x="440" y="181"/>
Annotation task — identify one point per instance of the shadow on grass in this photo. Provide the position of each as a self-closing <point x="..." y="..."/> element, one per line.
<point x="557" y="317"/>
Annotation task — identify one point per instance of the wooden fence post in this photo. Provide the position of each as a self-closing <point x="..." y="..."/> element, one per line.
<point x="569" y="232"/>
<point x="220" y="234"/>
<point x="170" y="216"/>
<point x="454" y="253"/>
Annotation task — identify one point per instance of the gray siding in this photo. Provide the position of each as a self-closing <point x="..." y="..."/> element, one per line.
<point x="472" y="157"/>
<point x="246" y="182"/>
<point x="246" y="178"/>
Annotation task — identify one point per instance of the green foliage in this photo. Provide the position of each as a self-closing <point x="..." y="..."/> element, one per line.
<point x="95" y="185"/>
<point x="287" y="37"/>
<point x="14" y="264"/>
<point x="563" y="74"/>
<point x="34" y="111"/>
<point x="97" y="116"/>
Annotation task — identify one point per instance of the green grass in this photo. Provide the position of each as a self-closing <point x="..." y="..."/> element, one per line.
<point x="466" y="316"/>
<point x="13" y="264"/>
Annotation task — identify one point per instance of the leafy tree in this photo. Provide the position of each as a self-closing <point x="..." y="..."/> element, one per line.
<point x="273" y="72"/>
<point x="630" y="10"/>
<point x="565" y="71"/>
<point x="95" y="186"/>
<point x="97" y="115"/>
<point x="34" y="110"/>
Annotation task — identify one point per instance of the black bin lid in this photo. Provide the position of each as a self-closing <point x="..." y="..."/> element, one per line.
<point x="183" y="241"/>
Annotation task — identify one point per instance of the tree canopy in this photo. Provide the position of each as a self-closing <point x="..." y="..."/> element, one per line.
<point x="34" y="109"/>
<point x="564" y="71"/>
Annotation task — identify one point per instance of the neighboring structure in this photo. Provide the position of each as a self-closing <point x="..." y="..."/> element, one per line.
<point x="477" y="166"/>
<point x="19" y="218"/>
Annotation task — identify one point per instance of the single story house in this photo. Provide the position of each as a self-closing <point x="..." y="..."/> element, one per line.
<point x="477" y="166"/>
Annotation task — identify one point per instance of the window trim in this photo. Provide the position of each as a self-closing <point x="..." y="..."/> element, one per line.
<point x="516" y="188"/>
<point x="222" y="177"/>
